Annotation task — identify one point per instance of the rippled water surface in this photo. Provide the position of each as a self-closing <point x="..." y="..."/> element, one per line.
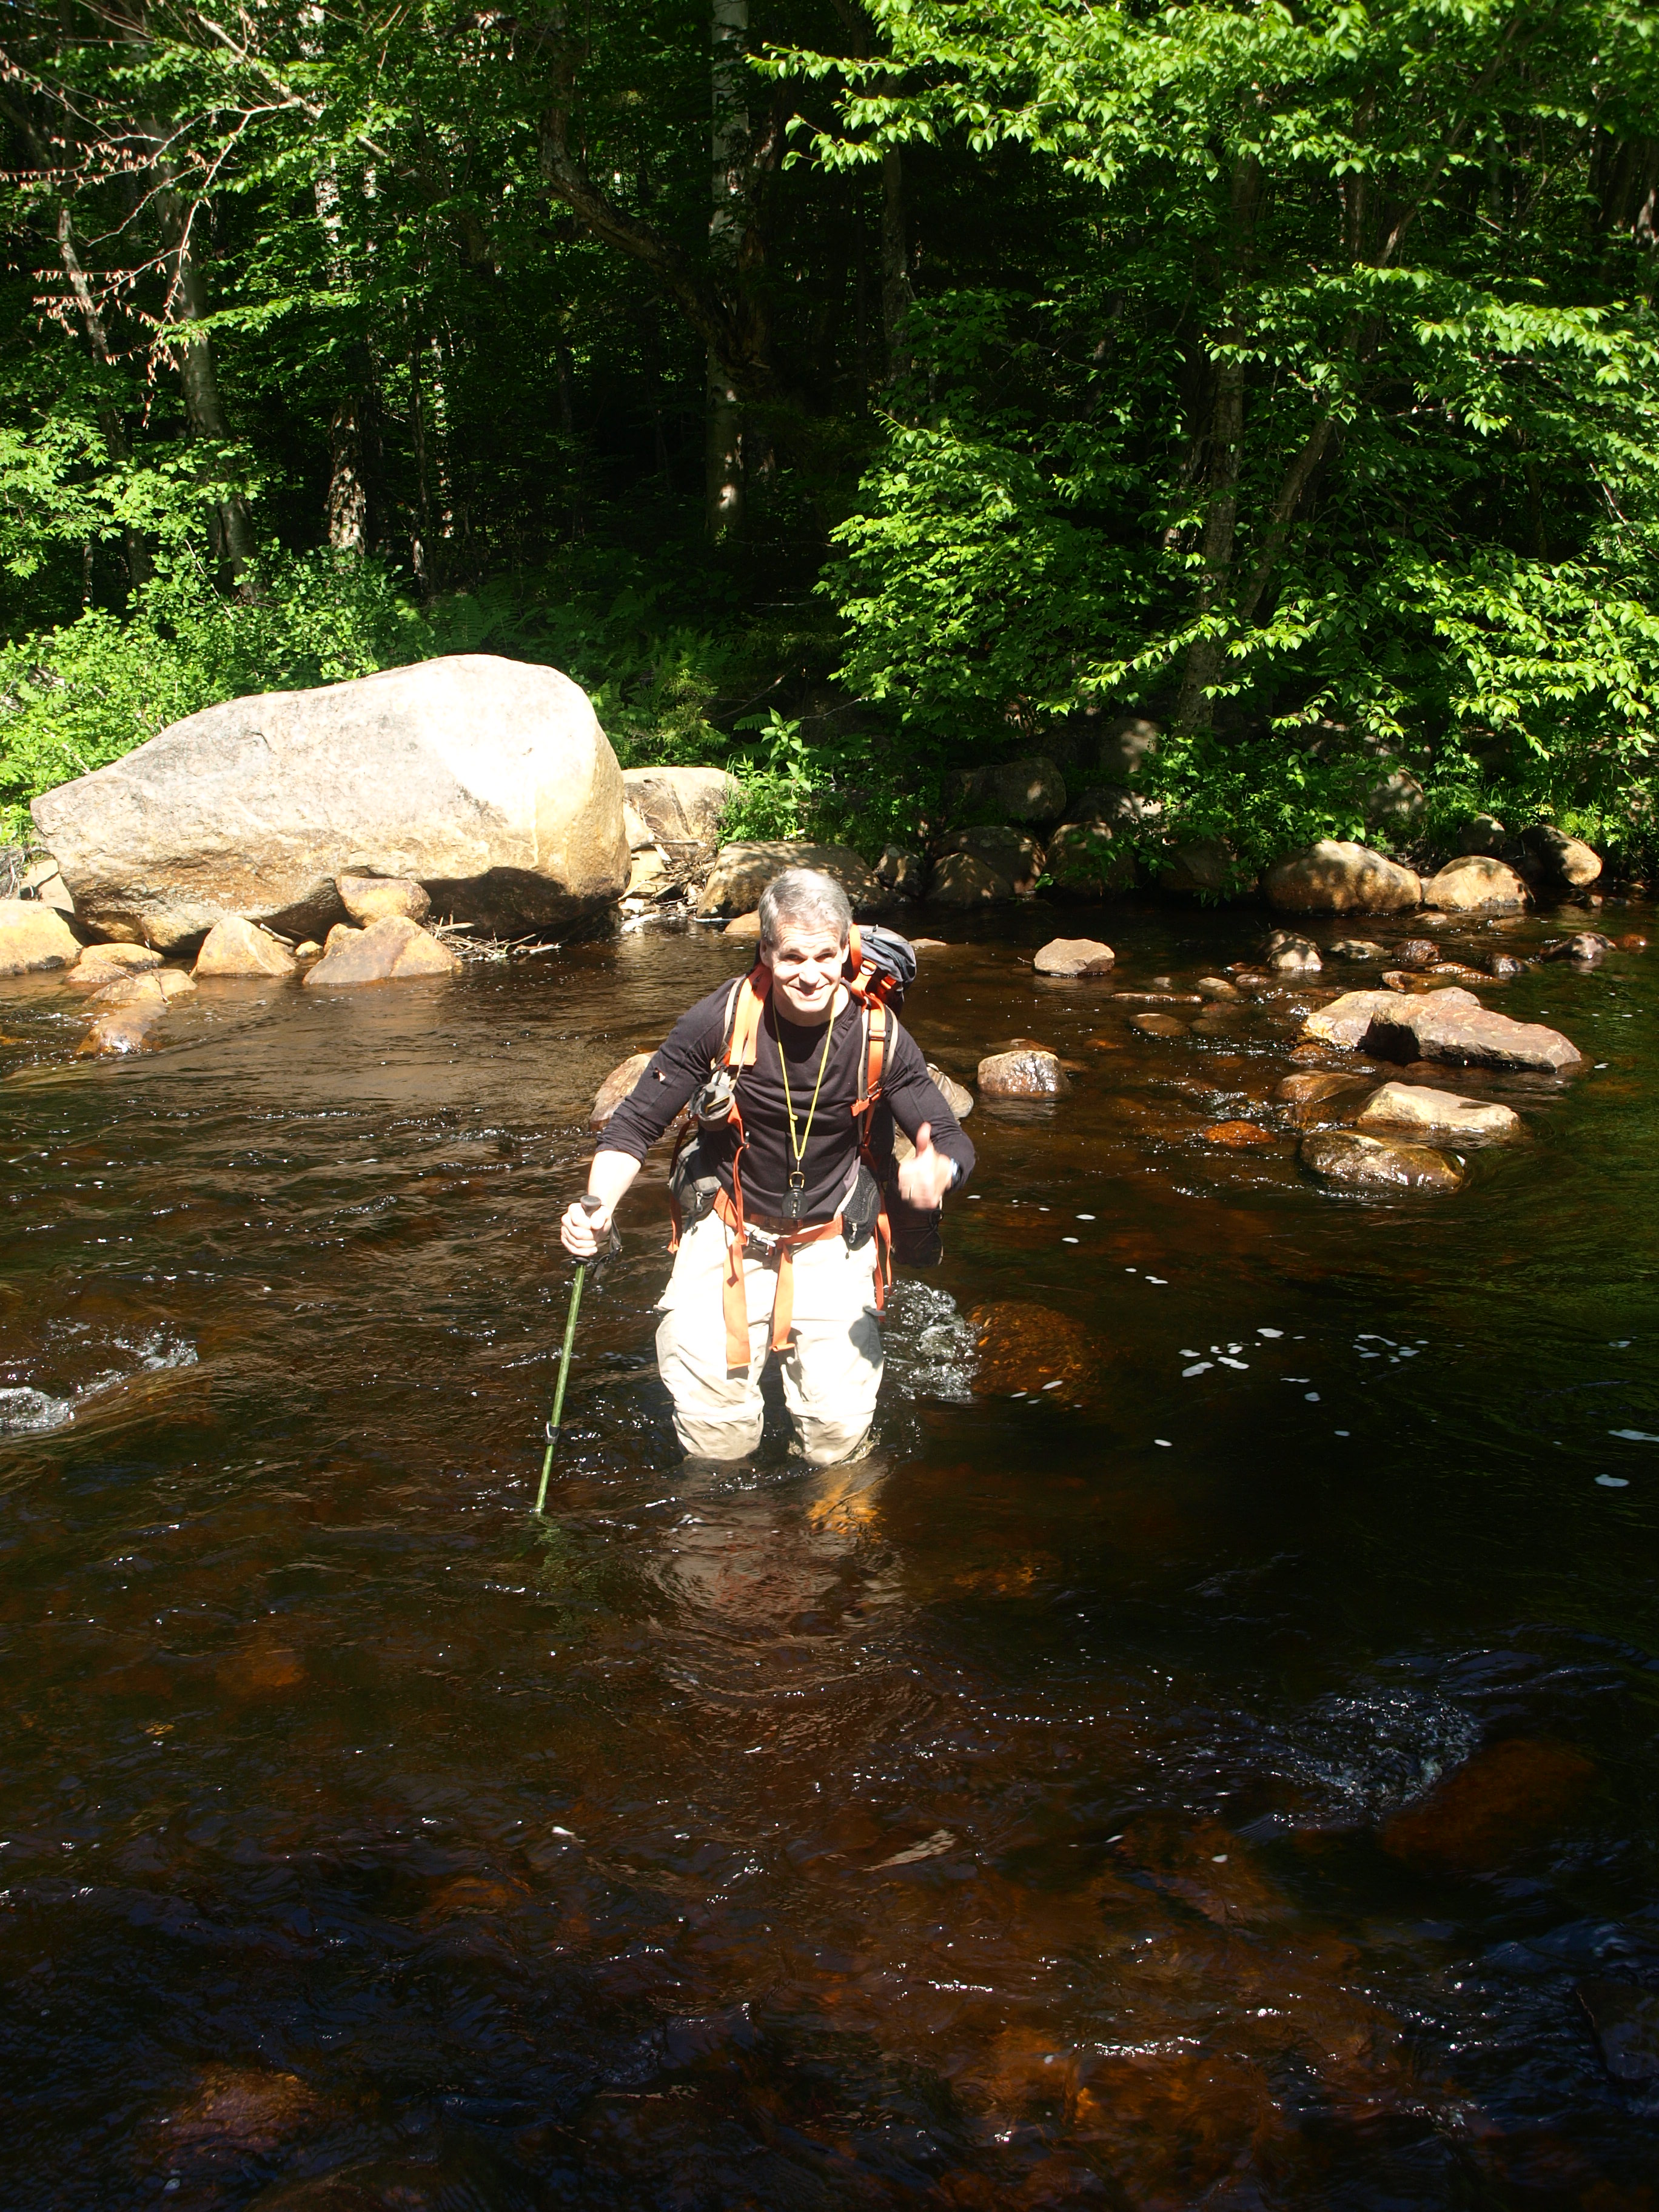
<point x="1224" y="1777"/>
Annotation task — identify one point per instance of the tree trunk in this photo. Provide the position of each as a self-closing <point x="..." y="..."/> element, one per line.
<point x="723" y="474"/>
<point x="197" y="372"/>
<point x="897" y="297"/>
<point x="345" y="504"/>
<point x="1216" y="555"/>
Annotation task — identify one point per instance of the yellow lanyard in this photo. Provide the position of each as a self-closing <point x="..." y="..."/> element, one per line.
<point x="798" y="1140"/>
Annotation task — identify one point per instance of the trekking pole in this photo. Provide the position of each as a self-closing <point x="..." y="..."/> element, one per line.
<point x="589" y="1206"/>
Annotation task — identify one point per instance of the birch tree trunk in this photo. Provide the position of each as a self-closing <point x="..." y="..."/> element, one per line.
<point x="345" y="504"/>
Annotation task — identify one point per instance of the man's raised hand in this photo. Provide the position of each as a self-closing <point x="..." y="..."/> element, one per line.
<point x="924" y="1179"/>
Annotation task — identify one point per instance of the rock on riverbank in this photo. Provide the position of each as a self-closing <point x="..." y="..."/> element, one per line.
<point x="487" y="782"/>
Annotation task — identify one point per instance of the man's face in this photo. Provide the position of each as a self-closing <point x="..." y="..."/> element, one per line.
<point x="806" y="965"/>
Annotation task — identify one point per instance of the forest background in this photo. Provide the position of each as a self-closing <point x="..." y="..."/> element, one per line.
<point x="855" y="393"/>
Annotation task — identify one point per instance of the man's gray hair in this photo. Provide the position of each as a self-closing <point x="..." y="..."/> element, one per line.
<point x="807" y="897"/>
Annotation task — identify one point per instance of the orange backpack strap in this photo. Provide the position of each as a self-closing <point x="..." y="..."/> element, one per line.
<point x="743" y="1018"/>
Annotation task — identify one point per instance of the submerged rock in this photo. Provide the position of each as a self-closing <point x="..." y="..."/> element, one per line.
<point x="234" y="947"/>
<point x="1236" y="1136"/>
<point x="1310" y="1090"/>
<point x="392" y="949"/>
<point x="1217" y="987"/>
<point x="370" y="898"/>
<point x="1453" y="1027"/>
<point x="1358" y="949"/>
<point x="1162" y="1025"/>
<point x="144" y="989"/>
<point x="1586" y="948"/>
<point x="1476" y="884"/>
<point x="1624" y="2020"/>
<point x="1028" y="1072"/>
<point x="1440" y="1113"/>
<point x="34" y="938"/>
<point x="1370" y="1163"/>
<point x="1074" y="956"/>
<point x="1025" y="1346"/>
<point x="1495" y="1806"/>
<point x="1503" y="966"/>
<point x="1333" y="877"/>
<point x="742" y="871"/>
<point x="102" y="965"/>
<point x="489" y="781"/>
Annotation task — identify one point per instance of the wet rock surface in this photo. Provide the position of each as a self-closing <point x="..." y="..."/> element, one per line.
<point x="1366" y="1163"/>
<point x="234" y="947"/>
<point x="1024" y="1071"/>
<point x="616" y="1087"/>
<point x="1439" y="1114"/>
<point x="103" y="964"/>
<point x="390" y="949"/>
<point x="1344" y="1020"/>
<point x="1494" y="1809"/>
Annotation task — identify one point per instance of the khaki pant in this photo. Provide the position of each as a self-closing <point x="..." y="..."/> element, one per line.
<point x="831" y="1370"/>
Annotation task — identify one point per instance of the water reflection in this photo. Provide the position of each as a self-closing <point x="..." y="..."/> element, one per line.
<point x="1202" y="1754"/>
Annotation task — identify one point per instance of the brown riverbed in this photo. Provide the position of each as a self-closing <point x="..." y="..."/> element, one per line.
<point x="1225" y="1778"/>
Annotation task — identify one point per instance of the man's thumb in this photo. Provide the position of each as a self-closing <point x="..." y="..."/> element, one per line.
<point x="925" y="1138"/>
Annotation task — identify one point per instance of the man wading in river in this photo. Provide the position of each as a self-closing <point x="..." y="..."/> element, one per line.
<point x="782" y="1249"/>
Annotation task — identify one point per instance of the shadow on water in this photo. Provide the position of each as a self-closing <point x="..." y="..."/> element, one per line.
<point x="1204" y="1755"/>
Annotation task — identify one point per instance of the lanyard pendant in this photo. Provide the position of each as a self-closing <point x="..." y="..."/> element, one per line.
<point x="795" y="1202"/>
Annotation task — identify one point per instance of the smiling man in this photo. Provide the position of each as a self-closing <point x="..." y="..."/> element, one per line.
<point x="783" y="1257"/>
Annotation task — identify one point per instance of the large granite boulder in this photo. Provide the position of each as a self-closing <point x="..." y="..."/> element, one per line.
<point x="488" y="781"/>
<point x="682" y="808"/>
<point x="1336" y="877"/>
<point x="741" y="873"/>
<point x="34" y="937"/>
<point x="1476" y="884"/>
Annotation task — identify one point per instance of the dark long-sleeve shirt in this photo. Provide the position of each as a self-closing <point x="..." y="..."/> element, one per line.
<point x="830" y="1154"/>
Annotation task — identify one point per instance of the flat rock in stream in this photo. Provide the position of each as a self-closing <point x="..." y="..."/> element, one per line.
<point x="392" y="949"/>
<point x="1359" y="950"/>
<point x="1452" y="1028"/>
<point x="1028" y="1347"/>
<point x="1341" y="1156"/>
<point x="1162" y="1025"/>
<point x="1029" y="1072"/>
<point x="145" y="989"/>
<point x="1344" y="1021"/>
<point x="34" y="938"/>
<point x="1506" y="1798"/>
<point x="1074" y="956"/>
<point x="1415" y="1108"/>
<point x="1236" y="1136"/>
<point x="1303" y="1093"/>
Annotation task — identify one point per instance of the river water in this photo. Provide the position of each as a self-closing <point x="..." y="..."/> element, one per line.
<point x="1224" y="1777"/>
